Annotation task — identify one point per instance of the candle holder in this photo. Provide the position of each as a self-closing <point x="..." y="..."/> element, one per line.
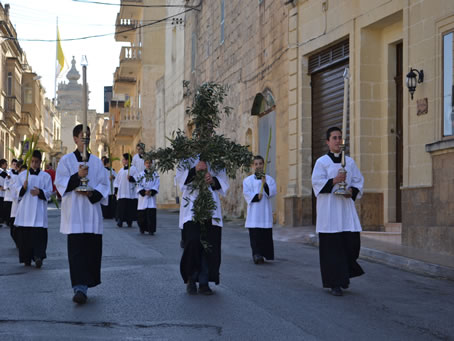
<point x="342" y="190"/>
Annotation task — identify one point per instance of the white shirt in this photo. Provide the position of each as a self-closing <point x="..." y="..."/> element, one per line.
<point x="32" y="211"/>
<point x="259" y="214"/>
<point x="186" y="205"/>
<point x="138" y="162"/>
<point x="78" y="214"/>
<point x="335" y="213"/>
<point x="126" y="189"/>
<point x="146" y="201"/>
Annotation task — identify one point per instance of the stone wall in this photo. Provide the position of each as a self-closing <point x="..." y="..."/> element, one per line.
<point x="252" y="58"/>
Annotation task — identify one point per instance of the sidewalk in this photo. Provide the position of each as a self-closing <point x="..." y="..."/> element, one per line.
<point x="399" y="256"/>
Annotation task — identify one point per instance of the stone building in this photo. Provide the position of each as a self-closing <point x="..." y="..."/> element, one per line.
<point x="141" y="64"/>
<point x="70" y="104"/>
<point x="244" y="44"/>
<point x="403" y="145"/>
<point x="24" y="109"/>
<point x="170" y="105"/>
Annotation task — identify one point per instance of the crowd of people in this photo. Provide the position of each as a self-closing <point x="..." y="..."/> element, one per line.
<point x="130" y="195"/>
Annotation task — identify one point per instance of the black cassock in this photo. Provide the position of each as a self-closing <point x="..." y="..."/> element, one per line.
<point x="261" y="240"/>
<point x="193" y="250"/>
<point x="84" y="254"/>
<point x="109" y="211"/>
<point x="338" y="258"/>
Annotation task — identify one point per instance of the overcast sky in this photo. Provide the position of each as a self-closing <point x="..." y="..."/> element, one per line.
<point x="36" y="19"/>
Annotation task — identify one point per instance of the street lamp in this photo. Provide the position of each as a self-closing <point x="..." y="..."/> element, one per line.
<point x="412" y="82"/>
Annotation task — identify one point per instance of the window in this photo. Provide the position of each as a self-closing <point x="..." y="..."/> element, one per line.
<point x="448" y="74"/>
<point x="28" y="95"/>
<point x="9" y="89"/>
<point x="222" y="20"/>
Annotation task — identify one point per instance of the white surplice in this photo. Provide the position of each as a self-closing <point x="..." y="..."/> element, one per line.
<point x="148" y="185"/>
<point x="138" y="162"/>
<point x="186" y="206"/>
<point x="8" y="184"/>
<point x="335" y="213"/>
<point x="78" y="214"/>
<point x="14" y="194"/>
<point x="111" y="188"/>
<point x="126" y="189"/>
<point x="259" y="214"/>
<point x="32" y="211"/>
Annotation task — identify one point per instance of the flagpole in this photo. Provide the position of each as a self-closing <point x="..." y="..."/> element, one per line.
<point x="55" y="64"/>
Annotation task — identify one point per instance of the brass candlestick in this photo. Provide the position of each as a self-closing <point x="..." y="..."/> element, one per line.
<point x="342" y="190"/>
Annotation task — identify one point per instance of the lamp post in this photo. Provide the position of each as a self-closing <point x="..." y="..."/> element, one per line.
<point x="84" y="181"/>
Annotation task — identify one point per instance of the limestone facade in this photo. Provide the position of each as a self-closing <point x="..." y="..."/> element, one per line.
<point x="244" y="45"/>
<point x="141" y="64"/>
<point x="378" y="31"/>
<point x="24" y="109"/>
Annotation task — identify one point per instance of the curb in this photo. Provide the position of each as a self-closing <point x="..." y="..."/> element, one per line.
<point x="395" y="261"/>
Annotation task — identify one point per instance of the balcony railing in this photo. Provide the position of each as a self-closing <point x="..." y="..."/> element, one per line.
<point x="12" y="104"/>
<point x="130" y="114"/>
<point x="129" y="53"/>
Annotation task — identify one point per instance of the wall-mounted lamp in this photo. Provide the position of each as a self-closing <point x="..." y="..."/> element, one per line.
<point x="413" y="78"/>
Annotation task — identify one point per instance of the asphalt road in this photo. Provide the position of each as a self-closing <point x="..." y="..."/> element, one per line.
<point x="142" y="296"/>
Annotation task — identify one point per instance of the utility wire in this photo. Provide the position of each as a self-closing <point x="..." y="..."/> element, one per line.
<point x="136" y="5"/>
<point x="99" y="35"/>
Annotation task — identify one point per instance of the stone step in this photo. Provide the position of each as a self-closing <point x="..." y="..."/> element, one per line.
<point x="393" y="227"/>
<point x="389" y="237"/>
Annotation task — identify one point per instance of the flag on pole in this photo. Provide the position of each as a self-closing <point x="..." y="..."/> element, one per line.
<point x="60" y="56"/>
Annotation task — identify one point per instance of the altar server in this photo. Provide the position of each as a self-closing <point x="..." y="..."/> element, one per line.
<point x="200" y="264"/>
<point x="109" y="208"/>
<point x="125" y="184"/>
<point x="31" y="216"/>
<point x="259" y="220"/>
<point x="337" y="225"/>
<point x="138" y="160"/>
<point x="147" y="188"/>
<point x="81" y="217"/>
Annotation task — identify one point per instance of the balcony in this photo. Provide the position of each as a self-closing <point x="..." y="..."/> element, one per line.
<point x="12" y="110"/>
<point x="123" y="85"/>
<point x="131" y="12"/>
<point x="130" y="61"/>
<point x="129" y="125"/>
<point x="125" y="29"/>
<point x="26" y="125"/>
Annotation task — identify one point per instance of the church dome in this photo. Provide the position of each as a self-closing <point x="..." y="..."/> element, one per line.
<point x="73" y="75"/>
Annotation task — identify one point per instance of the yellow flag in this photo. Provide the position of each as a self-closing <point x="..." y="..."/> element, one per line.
<point x="60" y="55"/>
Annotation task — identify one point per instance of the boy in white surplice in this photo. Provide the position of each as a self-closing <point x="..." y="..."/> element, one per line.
<point x="259" y="220"/>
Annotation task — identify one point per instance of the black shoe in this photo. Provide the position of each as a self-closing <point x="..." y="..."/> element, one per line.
<point x="120" y="224"/>
<point x="204" y="289"/>
<point x="151" y="233"/>
<point x="191" y="288"/>
<point x="258" y="259"/>
<point x="28" y="263"/>
<point x="38" y="263"/>
<point x="182" y="244"/>
<point x="337" y="291"/>
<point x="142" y="231"/>
<point x="129" y="224"/>
<point x="79" y="297"/>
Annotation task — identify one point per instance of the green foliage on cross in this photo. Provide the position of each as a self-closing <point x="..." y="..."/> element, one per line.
<point x="217" y="150"/>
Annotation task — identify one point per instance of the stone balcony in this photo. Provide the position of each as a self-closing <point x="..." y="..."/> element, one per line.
<point x="125" y="29"/>
<point x="26" y="125"/>
<point x="130" y="61"/>
<point x="129" y="125"/>
<point x="12" y="110"/>
<point x="133" y="12"/>
<point x="122" y="84"/>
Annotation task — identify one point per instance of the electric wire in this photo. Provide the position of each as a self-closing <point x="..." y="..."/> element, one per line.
<point x="98" y="35"/>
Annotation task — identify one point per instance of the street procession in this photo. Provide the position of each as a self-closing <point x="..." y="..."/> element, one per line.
<point x="245" y="170"/>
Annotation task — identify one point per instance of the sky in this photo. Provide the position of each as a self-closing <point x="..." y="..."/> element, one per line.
<point x="36" y="19"/>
